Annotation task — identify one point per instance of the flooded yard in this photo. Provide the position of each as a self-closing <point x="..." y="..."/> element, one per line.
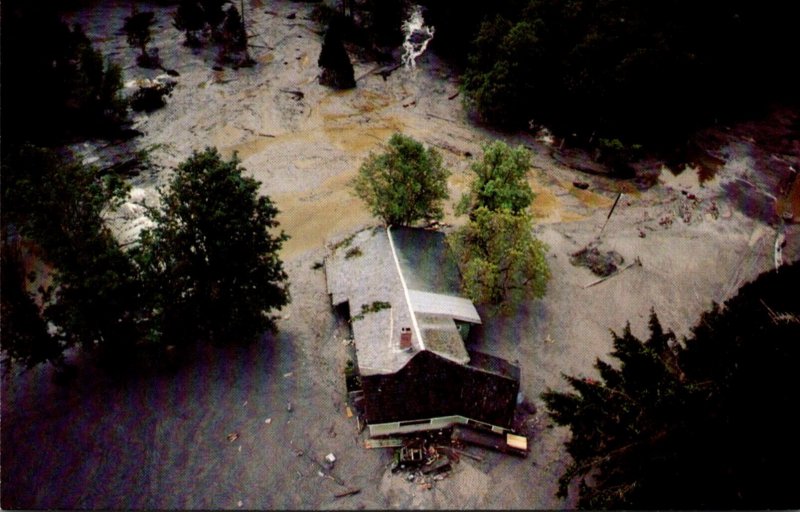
<point x="246" y="427"/>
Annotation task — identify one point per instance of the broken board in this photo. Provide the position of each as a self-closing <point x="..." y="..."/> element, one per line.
<point x="391" y="442"/>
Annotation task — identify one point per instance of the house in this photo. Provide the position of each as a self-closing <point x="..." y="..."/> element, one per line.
<point x="400" y="289"/>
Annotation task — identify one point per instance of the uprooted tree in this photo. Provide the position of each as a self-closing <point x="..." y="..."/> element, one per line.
<point x="500" y="260"/>
<point x="404" y="184"/>
<point x="703" y="424"/>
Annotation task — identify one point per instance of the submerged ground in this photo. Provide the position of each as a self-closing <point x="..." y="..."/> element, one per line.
<point x="162" y="441"/>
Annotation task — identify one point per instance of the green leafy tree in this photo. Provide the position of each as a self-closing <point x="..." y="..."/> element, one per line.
<point x="25" y="337"/>
<point x="500" y="180"/>
<point x="212" y="258"/>
<point x="56" y="204"/>
<point x="137" y="30"/>
<point x="404" y="184"/>
<point x="703" y="424"/>
<point x="615" y="69"/>
<point x="499" y="258"/>
<point x="500" y="82"/>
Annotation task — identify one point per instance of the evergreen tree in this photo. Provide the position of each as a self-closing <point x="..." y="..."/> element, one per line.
<point x="337" y="70"/>
<point x="190" y="18"/>
<point x="703" y="424"/>
<point x="234" y="39"/>
<point x="137" y="29"/>
<point x="214" y="15"/>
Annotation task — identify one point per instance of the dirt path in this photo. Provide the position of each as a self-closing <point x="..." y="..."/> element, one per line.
<point x="161" y="441"/>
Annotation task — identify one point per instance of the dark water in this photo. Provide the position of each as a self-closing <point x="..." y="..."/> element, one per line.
<point x="149" y="442"/>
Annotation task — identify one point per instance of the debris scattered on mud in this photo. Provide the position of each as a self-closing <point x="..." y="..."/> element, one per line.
<point x="149" y="94"/>
<point x="600" y="263"/>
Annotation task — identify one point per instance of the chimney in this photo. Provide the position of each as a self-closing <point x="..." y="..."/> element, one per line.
<point x="405" y="338"/>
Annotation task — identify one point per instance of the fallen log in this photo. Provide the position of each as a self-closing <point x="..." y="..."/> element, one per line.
<point x="349" y="492"/>
<point x="384" y="71"/>
<point x="636" y="262"/>
<point x="442" y="118"/>
<point x="298" y="95"/>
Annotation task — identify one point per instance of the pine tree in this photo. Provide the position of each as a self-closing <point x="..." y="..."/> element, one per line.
<point x="190" y="18"/>
<point x="137" y="28"/>
<point x="337" y="70"/>
<point x="707" y="423"/>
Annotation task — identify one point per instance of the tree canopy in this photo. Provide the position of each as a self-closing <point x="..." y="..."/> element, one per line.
<point x="404" y="184"/>
<point x="639" y="72"/>
<point x="703" y="424"/>
<point x="337" y="70"/>
<point x="190" y="17"/>
<point x="137" y="30"/>
<point x="500" y="180"/>
<point x="499" y="258"/>
<point x="208" y="269"/>
<point x="56" y="86"/>
<point x="210" y="20"/>
<point x="57" y="204"/>
<point x="211" y="260"/>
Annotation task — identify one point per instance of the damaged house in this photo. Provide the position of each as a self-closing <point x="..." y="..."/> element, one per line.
<point x="400" y="289"/>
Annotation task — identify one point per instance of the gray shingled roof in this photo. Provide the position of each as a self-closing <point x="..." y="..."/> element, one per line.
<point x="379" y="267"/>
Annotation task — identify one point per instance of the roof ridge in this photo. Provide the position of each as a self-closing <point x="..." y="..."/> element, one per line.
<point x="405" y="289"/>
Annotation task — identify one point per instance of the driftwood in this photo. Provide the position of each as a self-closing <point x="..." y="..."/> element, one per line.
<point x="442" y="118"/>
<point x="579" y="160"/>
<point x="611" y="211"/>
<point x="636" y="262"/>
<point x="253" y="132"/>
<point x="298" y="95"/>
<point x="384" y="71"/>
<point x="462" y="452"/>
<point x="349" y="492"/>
